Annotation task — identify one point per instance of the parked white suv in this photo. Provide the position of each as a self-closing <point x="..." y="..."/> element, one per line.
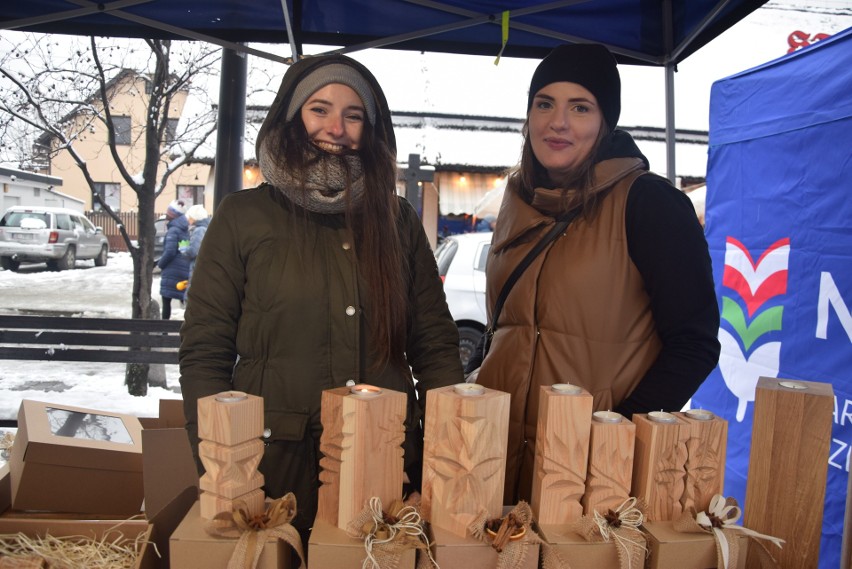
<point x="57" y="236"/>
<point x="461" y="264"/>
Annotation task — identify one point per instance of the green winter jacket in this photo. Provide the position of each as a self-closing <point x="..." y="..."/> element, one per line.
<point x="276" y="311"/>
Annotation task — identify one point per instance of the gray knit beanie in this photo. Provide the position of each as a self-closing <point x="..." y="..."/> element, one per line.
<point x="332" y="73"/>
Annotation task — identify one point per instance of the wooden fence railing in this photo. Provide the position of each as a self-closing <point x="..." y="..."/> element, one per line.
<point x="128" y="218"/>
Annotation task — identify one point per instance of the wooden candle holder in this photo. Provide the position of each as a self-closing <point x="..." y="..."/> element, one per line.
<point x="706" y="450"/>
<point x="464" y="457"/>
<point x="362" y="438"/>
<point x="229" y="428"/>
<point x="561" y="453"/>
<point x="611" y="451"/>
<point x="659" y="465"/>
<point x="788" y="466"/>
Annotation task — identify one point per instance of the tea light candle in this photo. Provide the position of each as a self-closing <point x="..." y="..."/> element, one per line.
<point x="662" y="417"/>
<point x="364" y="390"/>
<point x="468" y="389"/>
<point x="231" y="397"/>
<point x="793" y="385"/>
<point x="607" y="417"/>
<point x="566" y="389"/>
<point x="699" y="414"/>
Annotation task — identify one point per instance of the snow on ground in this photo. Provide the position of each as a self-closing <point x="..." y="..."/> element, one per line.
<point x="101" y="292"/>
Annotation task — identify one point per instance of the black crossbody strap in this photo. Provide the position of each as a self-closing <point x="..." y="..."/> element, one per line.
<point x="555" y="231"/>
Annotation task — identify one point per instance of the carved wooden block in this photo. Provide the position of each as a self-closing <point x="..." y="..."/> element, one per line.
<point x="464" y="458"/>
<point x="706" y="450"/>
<point x="561" y="453"/>
<point x="213" y="504"/>
<point x="611" y="449"/>
<point x="230" y="418"/>
<point x="362" y="451"/>
<point x="788" y="466"/>
<point x="231" y="471"/>
<point x="229" y="424"/>
<point x="659" y="464"/>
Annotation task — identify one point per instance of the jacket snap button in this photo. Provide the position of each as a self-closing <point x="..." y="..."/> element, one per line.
<point x="350" y="311"/>
<point x="267" y="432"/>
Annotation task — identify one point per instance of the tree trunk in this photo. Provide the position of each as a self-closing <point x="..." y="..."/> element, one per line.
<point x="136" y="379"/>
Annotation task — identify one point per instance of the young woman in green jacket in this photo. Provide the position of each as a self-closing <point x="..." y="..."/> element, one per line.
<point x="319" y="277"/>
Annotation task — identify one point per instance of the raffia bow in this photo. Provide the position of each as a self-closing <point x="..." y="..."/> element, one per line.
<point x="620" y="526"/>
<point x="720" y="519"/>
<point x="387" y="535"/>
<point x="253" y="531"/>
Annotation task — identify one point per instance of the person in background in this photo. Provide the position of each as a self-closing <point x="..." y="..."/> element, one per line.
<point x="320" y="278"/>
<point x="198" y="220"/>
<point x="174" y="266"/>
<point x="487" y="223"/>
<point x="621" y="303"/>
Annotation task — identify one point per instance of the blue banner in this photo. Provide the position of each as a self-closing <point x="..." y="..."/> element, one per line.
<point x="779" y="227"/>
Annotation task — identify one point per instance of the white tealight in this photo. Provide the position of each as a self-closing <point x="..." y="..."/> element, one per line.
<point x="792" y="385"/>
<point x="699" y="414"/>
<point x="364" y="390"/>
<point x="468" y="389"/>
<point x="231" y="397"/>
<point x="607" y="417"/>
<point x="662" y="417"/>
<point x="566" y="388"/>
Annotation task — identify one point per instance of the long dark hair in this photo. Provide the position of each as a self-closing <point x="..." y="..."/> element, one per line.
<point x="529" y="174"/>
<point x="374" y="222"/>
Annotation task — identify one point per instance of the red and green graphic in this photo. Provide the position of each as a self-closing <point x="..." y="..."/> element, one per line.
<point x="751" y="312"/>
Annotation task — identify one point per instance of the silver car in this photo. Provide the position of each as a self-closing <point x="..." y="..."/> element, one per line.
<point x="52" y="235"/>
<point x="461" y="264"/>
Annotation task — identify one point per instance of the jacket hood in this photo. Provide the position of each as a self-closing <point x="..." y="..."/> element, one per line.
<point x="619" y="144"/>
<point x="278" y="111"/>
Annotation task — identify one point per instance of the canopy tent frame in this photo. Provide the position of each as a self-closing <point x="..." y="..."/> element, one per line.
<point x="226" y="158"/>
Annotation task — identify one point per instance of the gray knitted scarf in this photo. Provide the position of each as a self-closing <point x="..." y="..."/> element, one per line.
<point x="325" y="183"/>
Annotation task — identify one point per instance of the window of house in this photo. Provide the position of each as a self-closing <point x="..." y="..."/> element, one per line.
<point x="110" y="193"/>
<point x="191" y="194"/>
<point x="122" y="129"/>
<point x="171" y="130"/>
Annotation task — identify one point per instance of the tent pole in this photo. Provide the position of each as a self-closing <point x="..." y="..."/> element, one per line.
<point x="228" y="167"/>
<point x="293" y="51"/>
<point x="670" y="124"/>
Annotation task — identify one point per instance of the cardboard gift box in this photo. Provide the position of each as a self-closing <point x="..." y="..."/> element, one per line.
<point x="671" y="548"/>
<point x="576" y="551"/>
<point x="191" y="547"/>
<point x="330" y="547"/>
<point x="120" y="531"/>
<point x="170" y="482"/>
<point x="70" y="459"/>
<point x="452" y="550"/>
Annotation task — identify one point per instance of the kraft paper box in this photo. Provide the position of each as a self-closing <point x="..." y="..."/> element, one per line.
<point x="670" y="548"/>
<point x="70" y="459"/>
<point x="191" y="547"/>
<point x="170" y="488"/>
<point x="330" y="547"/>
<point x="576" y="551"/>
<point x="452" y="550"/>
<point x="101" y="530"/>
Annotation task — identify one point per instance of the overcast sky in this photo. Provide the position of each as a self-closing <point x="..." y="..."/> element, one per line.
<point x="474" y="85"/>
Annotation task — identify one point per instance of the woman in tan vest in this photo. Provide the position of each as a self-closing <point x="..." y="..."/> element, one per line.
<point x="622" y="302"/>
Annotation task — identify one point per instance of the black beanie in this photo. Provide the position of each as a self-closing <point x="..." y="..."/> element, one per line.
<point x="589" y="65"/>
